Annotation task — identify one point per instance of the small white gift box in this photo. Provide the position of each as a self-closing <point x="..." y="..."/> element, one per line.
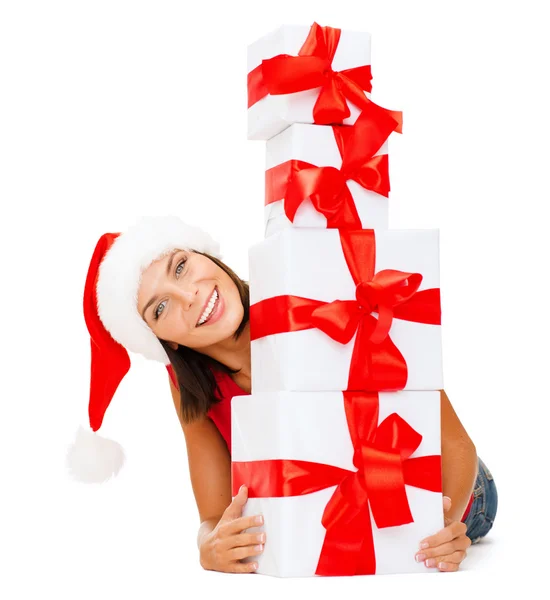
<point x="334" y="51"/>
<point x="318" y="151"/>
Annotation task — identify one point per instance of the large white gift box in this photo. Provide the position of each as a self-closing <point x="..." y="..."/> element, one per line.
<point x="269" y="114"/>
<point x="335" y="310"/>
<point x="330" y="504"/>
<point x="355" y="191"/>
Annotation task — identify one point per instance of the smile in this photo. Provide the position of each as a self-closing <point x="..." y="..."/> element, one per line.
<point x="210" y="308"/>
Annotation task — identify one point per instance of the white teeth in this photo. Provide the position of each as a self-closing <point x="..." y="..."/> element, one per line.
<point x="208" y="310"/>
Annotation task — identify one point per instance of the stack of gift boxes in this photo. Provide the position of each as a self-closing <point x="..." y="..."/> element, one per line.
<point x="339" y="442"/>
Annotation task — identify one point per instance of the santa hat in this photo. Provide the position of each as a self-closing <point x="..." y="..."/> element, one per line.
<point x="115" y="326"/>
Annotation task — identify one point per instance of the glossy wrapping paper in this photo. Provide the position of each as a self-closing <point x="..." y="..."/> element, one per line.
<point x="334" y="310"/>
<point x="348" y="483"/>
<point x="307" y="90"/>
<point x="330" y="176"/>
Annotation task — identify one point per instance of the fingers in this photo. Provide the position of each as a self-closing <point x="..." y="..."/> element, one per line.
<point x="446" y="549"/>
<point x="237" y="525"/>
<point x="449" y="533"/>
<point x="245" y="552"/>
<point x="248" y="539"/>
<point x="228" y="542"/>
<point x="450" y="562"/>
<point x="233" y="522"/>
<point x="239" y="567"/>
<point x="447" y="521"/>
<point x="461" y="543"/>
<point x="235" y="509"/>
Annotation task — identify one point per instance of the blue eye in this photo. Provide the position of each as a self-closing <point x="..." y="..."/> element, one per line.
<point x="180" y="264"/>
<point x="156" y="314"/>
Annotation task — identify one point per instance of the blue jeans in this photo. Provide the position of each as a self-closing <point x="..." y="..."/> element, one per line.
<point x="482" y="513"/>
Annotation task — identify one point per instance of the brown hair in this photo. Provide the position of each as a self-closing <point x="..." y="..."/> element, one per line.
<point x="196" y="382"/>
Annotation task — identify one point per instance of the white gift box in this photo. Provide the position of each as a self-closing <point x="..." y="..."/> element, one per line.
<point x="312" y="426"/>
<point x="310" y="263"/>
<point x="316" y="144"/>
<point x="272" y="114"/>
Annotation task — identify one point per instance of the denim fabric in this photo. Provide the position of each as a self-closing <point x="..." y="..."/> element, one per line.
<point x="482" y="513"/>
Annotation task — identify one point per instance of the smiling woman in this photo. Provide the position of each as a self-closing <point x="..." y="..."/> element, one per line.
<point x="183" y="295"/>
<point x="198" y="308"/>
<point x="160" y="289"/>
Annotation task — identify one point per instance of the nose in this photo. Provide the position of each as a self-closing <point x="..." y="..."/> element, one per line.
<point x="186" y="295"/>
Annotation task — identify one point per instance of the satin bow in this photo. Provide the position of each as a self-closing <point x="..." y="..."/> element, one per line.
<point x="312" y="68"/>
<point x="388" y="289"/>
<point x="327" y="188"/>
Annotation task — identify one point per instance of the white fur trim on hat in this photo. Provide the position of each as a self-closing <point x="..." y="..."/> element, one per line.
<point x="92" y="458"/>
<point x="120" y="276"/>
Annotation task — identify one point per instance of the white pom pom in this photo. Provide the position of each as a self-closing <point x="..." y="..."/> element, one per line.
<point x="92" y="458"/>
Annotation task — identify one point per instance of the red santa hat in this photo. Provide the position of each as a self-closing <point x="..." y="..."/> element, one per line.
<point x="116" y="327"/>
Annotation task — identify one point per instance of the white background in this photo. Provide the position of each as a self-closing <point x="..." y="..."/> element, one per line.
<point x="110" y="110"/>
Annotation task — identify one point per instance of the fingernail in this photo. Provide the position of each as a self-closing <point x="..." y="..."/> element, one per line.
<point x="430" y="562"/>
<point x="254" y="565"/>
<point x="259" y="519"/>
<point x="424" y="545"/>
<point x="261" y="537"/>
<point x="258" y="548"/>
<point x="420" y="557"/>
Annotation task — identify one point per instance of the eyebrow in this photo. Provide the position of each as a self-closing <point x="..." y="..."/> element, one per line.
<point x="168" y="269"/>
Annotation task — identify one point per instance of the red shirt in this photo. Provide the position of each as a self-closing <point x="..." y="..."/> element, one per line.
<point x="220" y="413"/>
<point x="470" y="501"/>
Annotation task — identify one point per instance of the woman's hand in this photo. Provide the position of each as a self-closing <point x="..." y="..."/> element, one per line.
<point x="224" y="547"/>
<point x="447" y="548"/>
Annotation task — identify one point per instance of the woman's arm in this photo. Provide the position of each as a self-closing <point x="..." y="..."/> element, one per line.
<point x="209" y="468"/>
<point x="221" y="540"/>
<point x="458" y="458"/>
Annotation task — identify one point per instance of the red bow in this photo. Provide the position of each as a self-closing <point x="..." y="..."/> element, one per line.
<point x="382" y="459"/>
<point x="312" y="68"/>
<point x="376" y="362"/>
<point x="296" y="180"/>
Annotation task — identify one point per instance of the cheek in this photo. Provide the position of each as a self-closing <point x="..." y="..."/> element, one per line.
<point x="235" y="309"/>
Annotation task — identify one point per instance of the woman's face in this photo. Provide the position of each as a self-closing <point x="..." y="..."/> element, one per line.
<point x="178" y="291"/>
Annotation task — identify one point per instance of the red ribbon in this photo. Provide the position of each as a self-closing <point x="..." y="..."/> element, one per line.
<point x="376" y="362"/>
<point x="382" y="459"/>
<point x="312" y="68"/>
<point x="296" y="180"/>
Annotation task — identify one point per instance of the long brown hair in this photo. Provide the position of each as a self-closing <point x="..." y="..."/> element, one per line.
<point x="197" y="384"/>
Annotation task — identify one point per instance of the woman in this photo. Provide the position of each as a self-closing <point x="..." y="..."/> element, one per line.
<point x="161" y="290"/>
